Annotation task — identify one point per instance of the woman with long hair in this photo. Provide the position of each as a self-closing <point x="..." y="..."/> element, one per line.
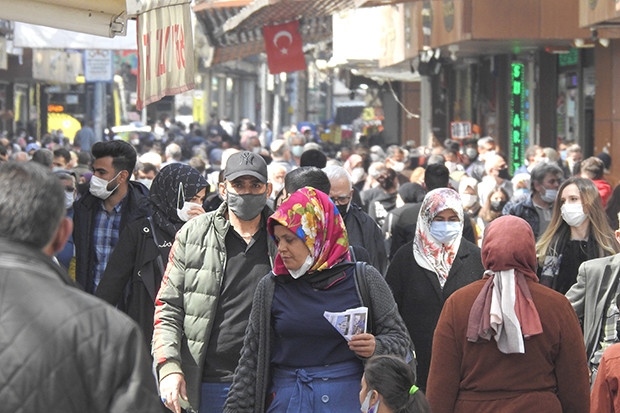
<point x="388" y="386"/>
<point x="491" y="210"/>
<point x="578" y="231"/>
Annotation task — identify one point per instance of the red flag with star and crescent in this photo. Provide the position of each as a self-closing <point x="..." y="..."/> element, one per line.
<point x="284" y="48"/>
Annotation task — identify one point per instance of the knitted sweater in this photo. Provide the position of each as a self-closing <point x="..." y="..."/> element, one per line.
<point x="252" y="376"/>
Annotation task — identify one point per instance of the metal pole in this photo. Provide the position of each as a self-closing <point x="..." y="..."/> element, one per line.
<point x="426" y="111"/>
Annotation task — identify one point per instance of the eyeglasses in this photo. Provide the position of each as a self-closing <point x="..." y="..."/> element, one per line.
<point x="340" y="200"/>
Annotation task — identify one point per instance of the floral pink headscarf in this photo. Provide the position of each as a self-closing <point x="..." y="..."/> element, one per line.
<point x="427" y="251"/>
<point x="312" y="216"/>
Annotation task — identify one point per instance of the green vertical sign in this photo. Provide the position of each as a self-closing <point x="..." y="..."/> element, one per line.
<point x="518" y="124"/>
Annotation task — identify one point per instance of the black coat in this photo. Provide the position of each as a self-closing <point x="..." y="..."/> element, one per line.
<point x="364" y="232"/>
<point x="133" y="275"/>
<point x="134" y="206"/>
<point x="419" y="296"/>
<point x="64" y="350"/>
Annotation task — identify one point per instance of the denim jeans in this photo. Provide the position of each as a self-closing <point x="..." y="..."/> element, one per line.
<point x="213" y="397"/>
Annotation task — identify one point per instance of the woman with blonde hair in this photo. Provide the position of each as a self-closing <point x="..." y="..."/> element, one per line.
<point x="578" y="231"/>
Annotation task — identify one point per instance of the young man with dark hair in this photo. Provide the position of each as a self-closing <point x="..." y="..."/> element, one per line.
<point x="113" y="202"/>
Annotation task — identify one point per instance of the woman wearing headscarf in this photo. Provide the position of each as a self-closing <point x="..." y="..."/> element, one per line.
<point x="506" y="343"/>
<point x="427" y="270"/>
<point x="135" y="269"/>
<point x="293" y="359"/>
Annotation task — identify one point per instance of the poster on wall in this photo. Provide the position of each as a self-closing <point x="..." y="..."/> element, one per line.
<point x="460" y="130"/>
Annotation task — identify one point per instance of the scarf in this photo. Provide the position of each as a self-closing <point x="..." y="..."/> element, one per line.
<point x="427" y="251"/>
<point x="504" y="308"/>
<point x="164" y="192"/>
<point x="313" y="217"/>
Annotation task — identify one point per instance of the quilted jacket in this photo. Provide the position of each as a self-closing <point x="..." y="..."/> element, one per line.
<point x="187" y="299"/>
<point x="63" y="350"/>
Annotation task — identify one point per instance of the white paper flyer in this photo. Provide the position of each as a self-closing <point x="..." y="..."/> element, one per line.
<point x="349" y="322"/>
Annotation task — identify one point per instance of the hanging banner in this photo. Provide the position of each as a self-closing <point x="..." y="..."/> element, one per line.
<point x="284" y="47"/>
<point x="165" y="53"/>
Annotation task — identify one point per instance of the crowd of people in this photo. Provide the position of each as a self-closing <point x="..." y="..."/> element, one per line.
<point x="485" y="289"/>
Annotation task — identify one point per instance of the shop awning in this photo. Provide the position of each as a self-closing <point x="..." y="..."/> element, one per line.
<point x="103" y="18"/>
<point x="234" y="27"/>
<point x="165" y="47"/>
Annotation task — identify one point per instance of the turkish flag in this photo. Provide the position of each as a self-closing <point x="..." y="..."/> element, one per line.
<point x="284" y="48"/>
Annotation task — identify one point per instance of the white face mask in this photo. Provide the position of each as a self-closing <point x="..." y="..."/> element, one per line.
<point x="366" y="408"/>
<point x="398" y="166"/>
<point x="99" y="187"/>
<point x="69" y="199"/>
<point x="183" y="213"/>
<point x="573" y="214"/>
<point x="468" y="200"/>
<point x="303" y="269"/>
<point x="445" y="231"/>
<point x="277" y="187"/>
<point x="357" y="174"/>
<point x="549" y="195"/>
<point x="146" y="182"/>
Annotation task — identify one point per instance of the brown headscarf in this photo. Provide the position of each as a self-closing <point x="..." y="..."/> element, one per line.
<point x="504" y="308"/>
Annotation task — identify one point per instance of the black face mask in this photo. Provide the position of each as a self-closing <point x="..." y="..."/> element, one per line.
<point x="503" y="173"/>
<point x="343" y="209"/>
<point x="497" y="206"/>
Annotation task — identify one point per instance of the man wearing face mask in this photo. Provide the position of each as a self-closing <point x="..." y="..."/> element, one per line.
<point x="69" y="182"/>
<point x="536" y="210"/>
<point x="486" y="148"/>
<point x="362" y="229"/>
<point x="296" y="144"/>
<point x="113" y="201"/>
<point x="203" y="305"/>
<point x="497" y="175"/>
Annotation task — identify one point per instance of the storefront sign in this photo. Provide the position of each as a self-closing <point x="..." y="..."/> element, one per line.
<point x="518" y="124"/>
<point x="98" y="65"/>
<point x="165" y="53"/>
<point x="56" y="66"/>
<point x="460" y="130"/>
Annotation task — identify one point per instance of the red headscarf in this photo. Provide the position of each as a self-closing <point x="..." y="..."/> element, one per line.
<point x="508" y="264"/>
<point x="312" y="216"/>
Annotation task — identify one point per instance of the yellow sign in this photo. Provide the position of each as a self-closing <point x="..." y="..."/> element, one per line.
<point x="368" y="114"/>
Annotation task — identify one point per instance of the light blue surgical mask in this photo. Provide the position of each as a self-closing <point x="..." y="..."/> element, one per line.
<point x="445" y="231"/>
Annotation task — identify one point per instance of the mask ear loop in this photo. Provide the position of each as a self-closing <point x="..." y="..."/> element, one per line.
<point x="180" y="196"/>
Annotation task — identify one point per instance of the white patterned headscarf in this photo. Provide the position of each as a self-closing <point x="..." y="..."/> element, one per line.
<point x="427" y="251"/>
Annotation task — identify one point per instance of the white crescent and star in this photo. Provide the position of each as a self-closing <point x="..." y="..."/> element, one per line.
<point x="286" y="34"/>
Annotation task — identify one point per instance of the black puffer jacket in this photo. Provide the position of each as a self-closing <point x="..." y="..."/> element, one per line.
<point x="62" y="350"/>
